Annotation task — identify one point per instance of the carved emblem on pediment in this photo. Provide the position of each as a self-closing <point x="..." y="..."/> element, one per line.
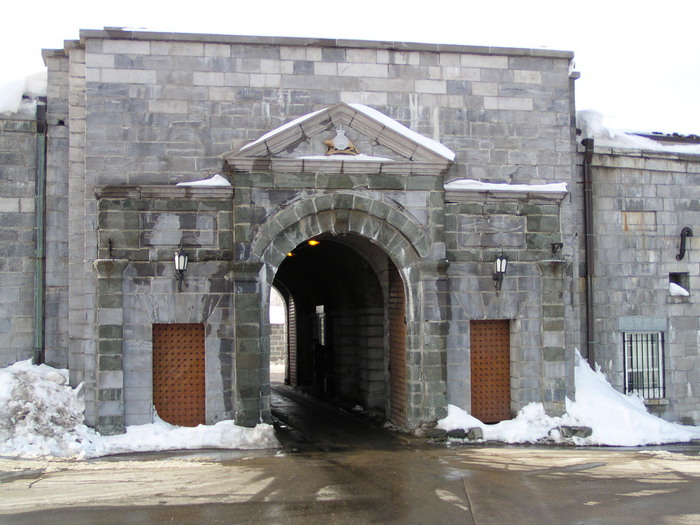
<point x="340" y="144"/>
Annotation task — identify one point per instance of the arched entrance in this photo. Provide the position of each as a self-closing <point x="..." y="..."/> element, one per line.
<point x="349" y="323"/>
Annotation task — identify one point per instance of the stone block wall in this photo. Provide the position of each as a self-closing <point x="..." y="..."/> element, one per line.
<point x="278" y="343"/>
<point x="139" y="229"/>
<point x="149" y="108"/>
<point x="534" y="295"/>
<point x="160" y="110"/>
<point x="57" y="185"/>
<point x="18" y="138"/>
<point x="641" y="202"/>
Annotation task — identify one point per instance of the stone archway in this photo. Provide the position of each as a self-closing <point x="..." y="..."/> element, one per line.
<point x="345" y="290"/>
<point x="363" y="223"/>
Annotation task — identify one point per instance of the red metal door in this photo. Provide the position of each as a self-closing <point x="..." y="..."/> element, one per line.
<point x="178" y="373"/>
<point x="490" y="370"/>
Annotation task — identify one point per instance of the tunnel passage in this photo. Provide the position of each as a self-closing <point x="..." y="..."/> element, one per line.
<point x="346" y="306"/>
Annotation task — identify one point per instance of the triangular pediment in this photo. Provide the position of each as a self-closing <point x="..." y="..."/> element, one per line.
<point x="382" y="143"/>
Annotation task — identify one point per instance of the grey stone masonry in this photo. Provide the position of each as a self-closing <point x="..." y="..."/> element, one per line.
<point x="57" y="183"/>
<point x="17" y="240"/>
<point x="642" y="201"/>
<point x="131" y="114"/>
<point x="110" y="346"/>
<point x="139" y="229"/>
<point x="525" y="227"/>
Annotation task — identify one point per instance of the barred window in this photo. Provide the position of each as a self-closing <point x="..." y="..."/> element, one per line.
<point x="644" y="364"/>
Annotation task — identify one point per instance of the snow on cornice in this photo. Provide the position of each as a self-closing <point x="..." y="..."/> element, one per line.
<point x="392" y="124"/>
<point x="355" y="158"/>
<point x="475" y="185"/>
<point x="379" y="117"/>
<point x="215" y="181"/>
<point x="281" y="128"/>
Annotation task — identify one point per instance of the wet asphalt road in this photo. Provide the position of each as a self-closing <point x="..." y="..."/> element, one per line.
<point x="337" y="468"/>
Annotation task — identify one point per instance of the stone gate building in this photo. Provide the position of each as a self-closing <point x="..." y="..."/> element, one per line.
<point x="372" y="184"/>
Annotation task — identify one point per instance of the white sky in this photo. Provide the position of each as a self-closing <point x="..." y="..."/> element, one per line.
<point x="639" y="61"/>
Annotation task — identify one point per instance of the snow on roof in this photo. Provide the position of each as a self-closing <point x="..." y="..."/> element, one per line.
<point x="12" y="93"/>
<point x="281" y="128"/>
<point x="215" y="181"/>
<point x="390" y="123"/>
<point x="372" y="113"/>
<point x="592" y="127"/>
<point x="475" y="185"/>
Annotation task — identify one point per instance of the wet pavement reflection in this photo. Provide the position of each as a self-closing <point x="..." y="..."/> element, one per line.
<point x="338" y="467"/>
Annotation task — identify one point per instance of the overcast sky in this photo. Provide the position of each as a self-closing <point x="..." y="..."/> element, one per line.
<point x="638" y="60"/>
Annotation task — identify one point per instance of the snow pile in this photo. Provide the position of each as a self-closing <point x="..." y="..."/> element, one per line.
<point x="215" y="181"/>
<point x="164" y="436"/>
<point x="615" y="419"/>
<point x="12" y="93"/>
<point x="591" y="125"/>
<point x="40" y="415"/>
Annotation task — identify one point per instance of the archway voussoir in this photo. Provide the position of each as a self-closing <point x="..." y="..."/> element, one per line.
<point x="325" y="220"/>
<point x="343" y="201"/>
<point x="323" y="203"/>
<point x="380" y="210"/>
<point x="362" y="204"/>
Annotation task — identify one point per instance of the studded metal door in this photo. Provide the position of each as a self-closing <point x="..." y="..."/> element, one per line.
<point x="397" y="348"/>
<point x="178" y="373"/>
<point x="490" y="370"/>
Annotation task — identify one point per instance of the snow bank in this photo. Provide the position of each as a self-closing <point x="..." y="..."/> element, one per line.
<point x="615" y="419"/>
<point x="591" y="125"/>
<point x="40" y="415"/>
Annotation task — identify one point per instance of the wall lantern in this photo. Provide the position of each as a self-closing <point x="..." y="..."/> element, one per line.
<point x="685" y="232"/>
<point x="499" y="270"/>
<point x="181" y="259"/>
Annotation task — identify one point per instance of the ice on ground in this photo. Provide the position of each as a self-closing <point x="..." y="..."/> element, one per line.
<point x="40" y="415"/>
<point x="615" y="419"/>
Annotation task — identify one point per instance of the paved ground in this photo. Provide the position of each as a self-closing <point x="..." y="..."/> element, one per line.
<point x="341" y="470"/>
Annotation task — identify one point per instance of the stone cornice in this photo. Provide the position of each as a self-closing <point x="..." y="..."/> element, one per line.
<point x="162" y="192"/>
<point x="121" y="34"/>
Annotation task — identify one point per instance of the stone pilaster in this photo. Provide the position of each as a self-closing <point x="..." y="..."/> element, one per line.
<point x="110" y="345"/>
<point x="251" y="345"/>
<point x="556" y="386"/>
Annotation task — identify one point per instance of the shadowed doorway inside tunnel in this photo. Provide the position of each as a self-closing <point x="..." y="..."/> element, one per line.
<point x="346" y="330"/>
